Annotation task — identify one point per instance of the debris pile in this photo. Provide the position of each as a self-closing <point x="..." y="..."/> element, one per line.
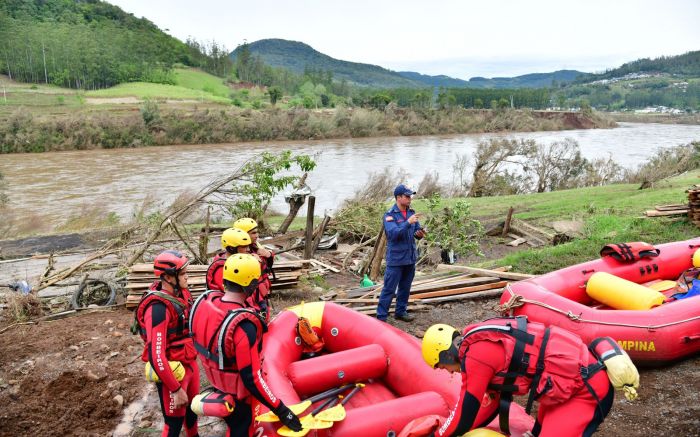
<point x="522" y="232"/>
<point x="141" y="277"/>
<point x="449" y="283"/>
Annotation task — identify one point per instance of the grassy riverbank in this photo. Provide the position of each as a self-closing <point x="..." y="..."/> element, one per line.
<point x="612" y="213"/>
<point x="23" y="131"/>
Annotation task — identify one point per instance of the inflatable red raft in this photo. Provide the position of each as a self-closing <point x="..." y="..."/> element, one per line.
<point x="667" y="331"/>
<point x="399" y="386"/>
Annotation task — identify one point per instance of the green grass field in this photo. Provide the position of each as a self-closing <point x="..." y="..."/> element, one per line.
<point x="612" y="213"/>
<point x="201" y="81"/>
<point x="142" y="90"/>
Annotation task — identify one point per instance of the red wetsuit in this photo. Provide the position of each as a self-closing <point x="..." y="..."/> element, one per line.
<point x="580" y="415"/>
<point x="242" y="374"/>
<point x="215" y="272"/>
<point x="166" y="337"/>
<point x="260" y="297"/>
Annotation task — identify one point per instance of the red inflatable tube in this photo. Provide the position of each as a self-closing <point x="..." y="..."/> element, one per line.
<point x="390" y="415"/>
<point x="328" y="371"/>
<point x="651" y="337"/>
<point x="399" y="387"/>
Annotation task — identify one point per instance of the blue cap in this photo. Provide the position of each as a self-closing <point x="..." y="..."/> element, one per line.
<point x="403" y="189"/>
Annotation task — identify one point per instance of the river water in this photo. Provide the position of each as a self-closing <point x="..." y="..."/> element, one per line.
<point x="59" y="183"/>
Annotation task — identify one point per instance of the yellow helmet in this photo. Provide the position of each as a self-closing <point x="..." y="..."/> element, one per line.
<point x="696" y="259"/>
<point x="245" y="224"/>
<point x="234" y="238"/>
<point x="437" y="339"/>
<point x="242" y="269"/>
<point x="483" y="432"/>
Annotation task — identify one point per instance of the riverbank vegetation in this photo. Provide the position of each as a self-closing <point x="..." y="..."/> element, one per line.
<point x="156" y="124"/>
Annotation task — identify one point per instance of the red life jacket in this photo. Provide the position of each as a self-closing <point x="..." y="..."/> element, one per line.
<point x="215" y="272"/>
<point x="545" y="362"/>
<point x="178" y="341"/>
<point x="630" y="252"/>
<point x="212" y="330"/>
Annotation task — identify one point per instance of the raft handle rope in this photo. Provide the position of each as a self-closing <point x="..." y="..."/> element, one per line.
<point x="517" y="301"/>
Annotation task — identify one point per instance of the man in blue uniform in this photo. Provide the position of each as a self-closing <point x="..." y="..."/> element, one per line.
<point x="402" y="230"/>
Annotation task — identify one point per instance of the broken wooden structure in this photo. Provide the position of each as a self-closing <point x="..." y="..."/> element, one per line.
<point x="522" y="232"/>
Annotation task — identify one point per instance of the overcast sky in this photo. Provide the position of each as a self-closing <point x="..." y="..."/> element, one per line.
<point x="458" y="38"/>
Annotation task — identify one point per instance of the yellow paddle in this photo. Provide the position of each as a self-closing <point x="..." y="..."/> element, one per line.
<point x="308" y="422"/>
<point x="303" y="405"/>
<point x="337" y="413"/>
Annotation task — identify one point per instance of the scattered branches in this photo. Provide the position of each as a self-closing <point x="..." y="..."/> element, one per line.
<point x="492" y="156"/>
<point x="665" y="163"/>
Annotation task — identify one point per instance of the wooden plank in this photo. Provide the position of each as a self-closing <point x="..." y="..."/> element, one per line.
<point x="654" y="213"/>
<point x="671" y="207"/>
<point x="476" y="295"/>
<point x="462" y="290"/>
<point x="517" y="242"/>
<point x="531" y="229"/>
<point x="478" y="271"/>
<point x="318" y="263"/>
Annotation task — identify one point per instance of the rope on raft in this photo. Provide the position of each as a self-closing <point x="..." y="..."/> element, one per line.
<point x="516" y="301"/>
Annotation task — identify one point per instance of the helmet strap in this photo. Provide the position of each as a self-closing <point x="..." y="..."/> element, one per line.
<point x="177" y="290"/>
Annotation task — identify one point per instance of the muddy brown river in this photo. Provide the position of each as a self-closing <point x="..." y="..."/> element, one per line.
<point x="60" y="183"/>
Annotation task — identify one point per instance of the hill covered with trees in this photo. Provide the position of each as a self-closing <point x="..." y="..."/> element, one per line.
<point x="685" y="65"/>
<point x="92" y="44"/>
<point x="300" y="58"/>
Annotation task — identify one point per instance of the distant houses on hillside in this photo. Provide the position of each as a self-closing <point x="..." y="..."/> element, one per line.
<point x="659" y="110"/>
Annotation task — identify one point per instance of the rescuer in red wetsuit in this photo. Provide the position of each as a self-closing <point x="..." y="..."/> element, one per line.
<point x="502" y="357"/>
<point x="227" y="334"/>
<point x="162" y="320"/>
<point x="232" y="241"/>
<point x="266" y="257"/>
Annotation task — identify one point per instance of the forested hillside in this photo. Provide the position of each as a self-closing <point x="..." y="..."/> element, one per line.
<point x="300" y="58"/>
<point x="685" y="65"/>
<point x="89" y="45"/>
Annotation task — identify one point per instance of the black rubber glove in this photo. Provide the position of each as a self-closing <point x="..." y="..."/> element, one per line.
<point x="288" y="418"/>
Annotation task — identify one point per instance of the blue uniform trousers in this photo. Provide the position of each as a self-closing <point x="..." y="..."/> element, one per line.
<point x="394" y="276"/>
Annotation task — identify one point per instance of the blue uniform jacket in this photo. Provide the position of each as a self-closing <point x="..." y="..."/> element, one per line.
<point x="400" y="237"/>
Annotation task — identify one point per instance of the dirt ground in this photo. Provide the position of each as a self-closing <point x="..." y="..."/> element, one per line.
<point x="82" y="376"/>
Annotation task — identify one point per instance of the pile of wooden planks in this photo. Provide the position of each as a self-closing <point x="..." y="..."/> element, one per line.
<point x="449" y="283"/>
<point x="673" y="210"/>
<point x="694" y="204"/>
<point x="140" y="277"/>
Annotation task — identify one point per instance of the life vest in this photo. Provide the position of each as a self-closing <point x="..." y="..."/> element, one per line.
<point x="178" y="341"/>
<point x="259" y="298"/>
<point x="265" y="263"/>
<point x="630" y="252"/>
<point x="545" y="362"/>
<point x="212" y="328"/>
<point x="215" y="272"/>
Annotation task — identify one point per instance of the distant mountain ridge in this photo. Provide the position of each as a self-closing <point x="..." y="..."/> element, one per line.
<point x="297" y="56"/>
<point x="532" y="80"/>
